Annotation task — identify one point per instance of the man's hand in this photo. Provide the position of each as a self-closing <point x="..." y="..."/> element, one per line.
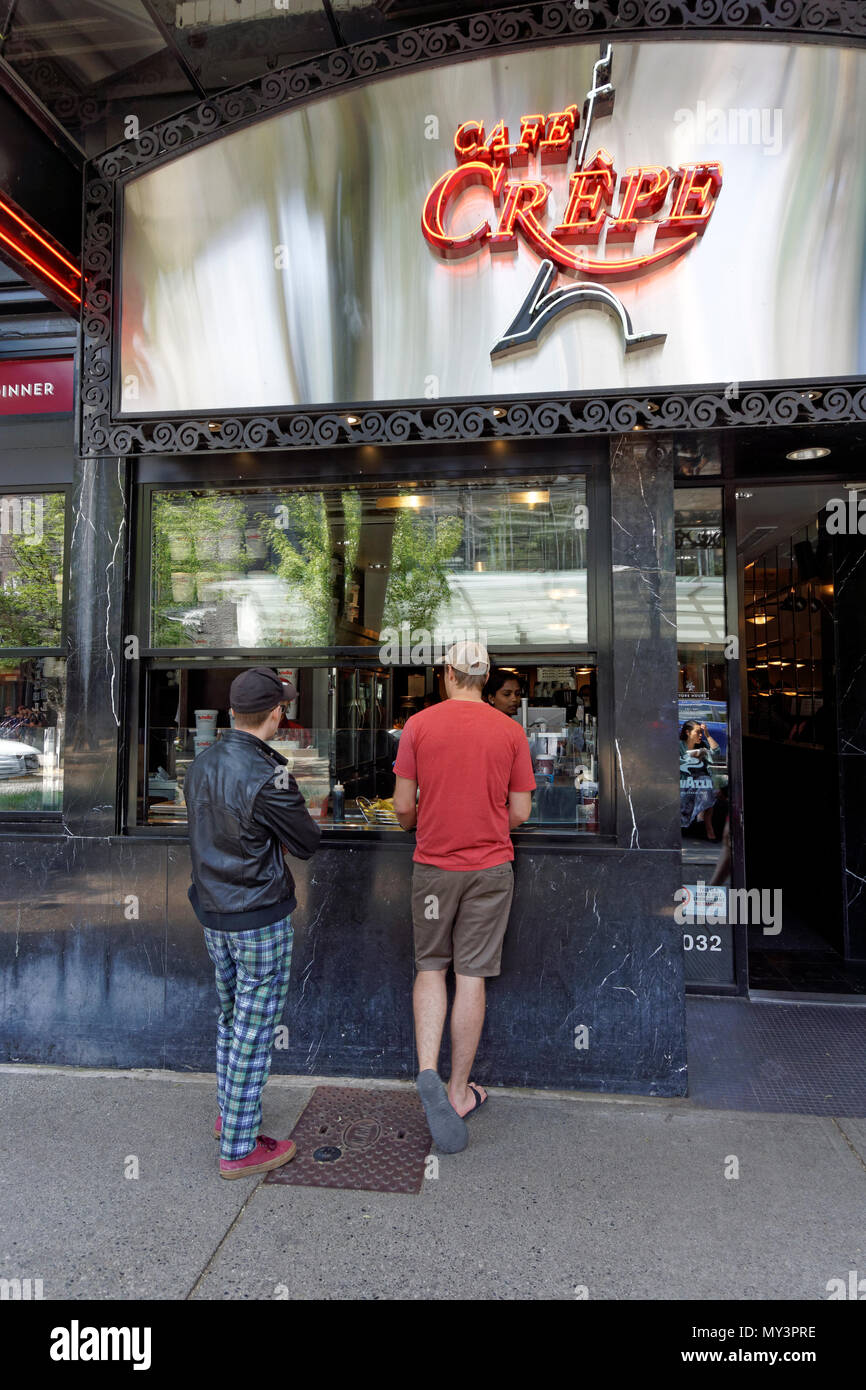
<point x="405" y="802"/>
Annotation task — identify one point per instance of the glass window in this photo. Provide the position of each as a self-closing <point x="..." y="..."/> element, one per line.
<point x="31" y="569"/>
<point x="344" y="729"/>
<point x="32" y="666"/>
<point x="32" y="705"/>
<point x="697" y="457"/>
<point x="359" y="592"/>
<point x="504" y="562"/>
<point x="703" y="734"/>
<point x="785" y="670"/>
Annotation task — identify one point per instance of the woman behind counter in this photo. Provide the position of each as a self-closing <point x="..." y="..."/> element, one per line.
<point x="502" y="691"/>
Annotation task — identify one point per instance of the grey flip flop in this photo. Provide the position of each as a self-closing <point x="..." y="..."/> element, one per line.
<point x="448" y="1130"/>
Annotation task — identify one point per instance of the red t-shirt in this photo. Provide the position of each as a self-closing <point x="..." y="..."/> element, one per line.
<point x="466" y="757"/>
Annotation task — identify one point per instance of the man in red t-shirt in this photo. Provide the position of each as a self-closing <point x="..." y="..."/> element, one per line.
<point x="474" y="772"/>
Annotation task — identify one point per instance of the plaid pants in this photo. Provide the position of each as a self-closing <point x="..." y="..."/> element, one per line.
<point x="252" y="979"/>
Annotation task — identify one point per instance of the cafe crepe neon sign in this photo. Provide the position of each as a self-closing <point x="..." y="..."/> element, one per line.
<point x="492" y="162"/>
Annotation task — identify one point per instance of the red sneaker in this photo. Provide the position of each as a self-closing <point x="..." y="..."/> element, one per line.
<point x="268" y="1153"/>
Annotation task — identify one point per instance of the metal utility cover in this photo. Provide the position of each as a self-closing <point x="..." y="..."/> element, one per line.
<point x="371" y="1141"/>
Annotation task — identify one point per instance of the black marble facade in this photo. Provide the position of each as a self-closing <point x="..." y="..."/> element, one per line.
<point x="95" y="729"/>
<point x="644" y="646"/>
<point x="103" y="963"/>
<point x="591" y="945"/>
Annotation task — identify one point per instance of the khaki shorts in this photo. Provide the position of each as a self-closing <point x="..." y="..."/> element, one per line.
<point x="461" y="915"/>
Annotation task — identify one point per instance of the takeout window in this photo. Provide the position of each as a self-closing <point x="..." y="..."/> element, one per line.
<point x="341" y="735"/>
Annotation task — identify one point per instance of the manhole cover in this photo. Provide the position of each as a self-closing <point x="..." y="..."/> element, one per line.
<point x="371" y="1141"/>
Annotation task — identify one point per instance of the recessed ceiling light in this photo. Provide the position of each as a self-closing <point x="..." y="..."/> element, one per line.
<point x="352" y="420"/>
<point x="800" y="454"/>
<point x="498" y="411"/>
<point x="744" y="496"/>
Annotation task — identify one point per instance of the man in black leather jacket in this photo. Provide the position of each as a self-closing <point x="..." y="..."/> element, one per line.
<point x="244" y="810"/>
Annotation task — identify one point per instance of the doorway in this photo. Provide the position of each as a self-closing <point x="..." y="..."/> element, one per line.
<point x="792" y="634"/>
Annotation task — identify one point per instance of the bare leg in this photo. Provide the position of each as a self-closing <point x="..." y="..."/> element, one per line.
<point x="467" y="1020"/>
<point x="430" y="1003"/>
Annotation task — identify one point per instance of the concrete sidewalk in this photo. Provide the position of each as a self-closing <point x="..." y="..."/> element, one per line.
<point x="622" y="1196"/>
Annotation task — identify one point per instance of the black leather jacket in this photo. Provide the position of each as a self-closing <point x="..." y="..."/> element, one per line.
<point x="241" y="813"/>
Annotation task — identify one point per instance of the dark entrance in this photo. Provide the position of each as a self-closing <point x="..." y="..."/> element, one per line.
<point x="802" y="600"/>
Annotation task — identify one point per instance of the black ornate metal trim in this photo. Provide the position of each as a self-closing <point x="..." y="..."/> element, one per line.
<point x="441" y="422"/>
<point x="532" y="25"/>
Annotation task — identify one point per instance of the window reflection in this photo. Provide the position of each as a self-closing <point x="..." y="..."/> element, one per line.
<point x="703" y="732"/>
<point x="32" y="709"/>
<point x="346" y="567"/>
<point x="697" y="457"/>
<point x="32" y="687"/>
<point x="31" y="569"/>
<point x="702" y="696"/>
<point x="788" y="599"/>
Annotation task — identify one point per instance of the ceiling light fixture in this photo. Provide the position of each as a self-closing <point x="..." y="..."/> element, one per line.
<point x="801" y="455"/>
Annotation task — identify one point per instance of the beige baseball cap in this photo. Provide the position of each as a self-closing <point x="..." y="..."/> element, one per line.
<point x="469" y="657"/>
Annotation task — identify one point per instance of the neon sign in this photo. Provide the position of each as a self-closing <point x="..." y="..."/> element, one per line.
<point x="493" y="162"/>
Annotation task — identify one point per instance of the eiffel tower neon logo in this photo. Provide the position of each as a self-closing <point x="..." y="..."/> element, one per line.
<point x="492" y="161"/>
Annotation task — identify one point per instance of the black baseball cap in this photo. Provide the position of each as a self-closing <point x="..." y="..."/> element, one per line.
<point x="254" y="691"/>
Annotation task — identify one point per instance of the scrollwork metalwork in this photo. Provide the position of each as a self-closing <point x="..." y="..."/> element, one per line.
<point x="444" y="423"/>
<point x="531" y="25"/>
